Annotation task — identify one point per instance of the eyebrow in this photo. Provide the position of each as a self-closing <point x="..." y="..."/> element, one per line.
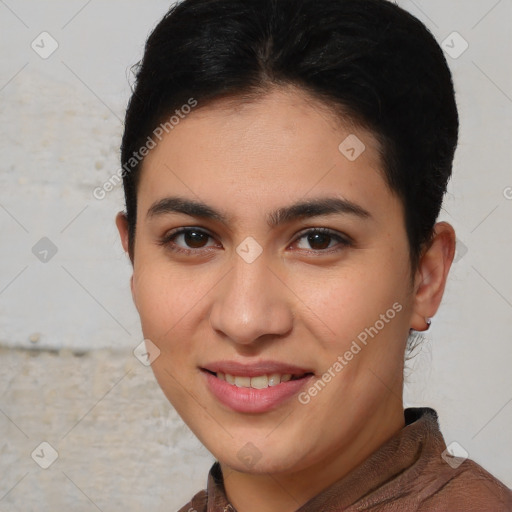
<point x="299" y="210"/>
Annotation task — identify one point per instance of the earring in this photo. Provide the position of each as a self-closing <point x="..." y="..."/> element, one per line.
<point x="428" y="321"/>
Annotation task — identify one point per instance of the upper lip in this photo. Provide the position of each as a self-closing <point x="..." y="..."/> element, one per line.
<point x="255" y="369"/>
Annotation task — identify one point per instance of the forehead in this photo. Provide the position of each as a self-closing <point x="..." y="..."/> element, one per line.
<point x="277" y="147"/>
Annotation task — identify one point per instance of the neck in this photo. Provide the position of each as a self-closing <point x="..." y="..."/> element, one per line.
<point x="288" y="491"/>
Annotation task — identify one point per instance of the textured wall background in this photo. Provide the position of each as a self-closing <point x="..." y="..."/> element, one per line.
<point x="67" y="325"/>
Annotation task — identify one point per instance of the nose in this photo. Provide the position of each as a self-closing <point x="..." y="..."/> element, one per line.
<point x="250" y="303"/>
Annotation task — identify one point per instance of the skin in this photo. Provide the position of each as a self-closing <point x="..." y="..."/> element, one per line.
<point x="297" y="302"/>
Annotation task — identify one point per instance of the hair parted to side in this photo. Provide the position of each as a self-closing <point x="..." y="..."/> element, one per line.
<point x="369" y="59"/>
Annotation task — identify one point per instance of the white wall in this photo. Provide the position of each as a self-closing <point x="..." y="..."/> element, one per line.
<point x="61" y="123"/>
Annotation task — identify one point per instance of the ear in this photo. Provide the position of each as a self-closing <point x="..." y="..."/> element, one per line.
<point x="430" y="279"/>
<point x="122" y="227"/>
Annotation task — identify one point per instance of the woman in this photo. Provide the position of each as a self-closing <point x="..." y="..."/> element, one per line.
<point x="284" y="164"/>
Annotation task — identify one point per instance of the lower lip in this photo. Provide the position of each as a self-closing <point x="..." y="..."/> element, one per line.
<point x="250" y="400"/>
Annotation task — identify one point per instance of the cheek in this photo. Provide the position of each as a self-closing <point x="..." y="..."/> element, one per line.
<point x="345" y="302"/>
<point x="165" y="304"/>
<point x="172" y="305"/>
<point x="161" y="300"/>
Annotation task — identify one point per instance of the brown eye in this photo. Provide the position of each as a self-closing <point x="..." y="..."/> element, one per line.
<point x="188" y="240"/>
<point x="321" y="239"/>
<point x="195" y="239"/>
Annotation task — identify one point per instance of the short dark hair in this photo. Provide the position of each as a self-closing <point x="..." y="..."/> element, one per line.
<point x="373" y="60"/>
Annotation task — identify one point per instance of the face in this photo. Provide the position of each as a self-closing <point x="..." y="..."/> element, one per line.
<point x="271" y="270"/>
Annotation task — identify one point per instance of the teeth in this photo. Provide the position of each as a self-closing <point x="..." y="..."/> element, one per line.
<point x="259" y="382"/>
<point x="243" y="382"/>
<point x="274" y="379"/>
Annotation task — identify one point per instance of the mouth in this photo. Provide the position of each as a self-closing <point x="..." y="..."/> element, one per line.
<point x="259" y="381"/>
<point x="255" y="388"/>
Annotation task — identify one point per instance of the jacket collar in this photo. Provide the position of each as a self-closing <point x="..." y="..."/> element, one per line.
<point x="390" y="471"/>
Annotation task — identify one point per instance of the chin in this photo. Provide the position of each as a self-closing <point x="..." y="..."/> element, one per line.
<point x="260" y="458"/>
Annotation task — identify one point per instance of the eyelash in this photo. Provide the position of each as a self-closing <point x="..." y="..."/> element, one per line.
<point x="168" y="240"/>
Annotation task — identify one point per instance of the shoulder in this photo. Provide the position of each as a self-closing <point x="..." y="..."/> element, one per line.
<point x="197" y="504"/>
<point x="470" y="488"/>
<point x="445" y="483"/>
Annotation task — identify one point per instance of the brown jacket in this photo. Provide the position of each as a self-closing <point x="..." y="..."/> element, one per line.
<point x="410" y="472"/>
